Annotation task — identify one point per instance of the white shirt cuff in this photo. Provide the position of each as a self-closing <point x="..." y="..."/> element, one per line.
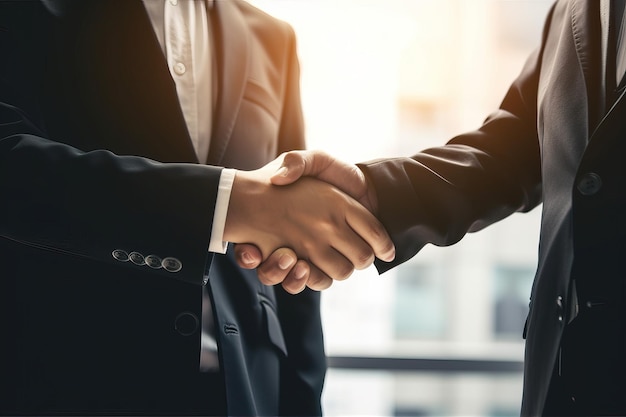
<point x="217" y="243"/>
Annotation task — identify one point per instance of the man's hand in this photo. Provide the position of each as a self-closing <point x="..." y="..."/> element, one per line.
<point x="329" y="230"/>
<point x="283" y="266"/>
<point x="347" y="177"/>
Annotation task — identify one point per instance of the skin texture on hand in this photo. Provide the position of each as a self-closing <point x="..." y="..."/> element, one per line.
<point x="330" y="232"/>
<point x="347" y="177"/>
<point x="283" y="265"/>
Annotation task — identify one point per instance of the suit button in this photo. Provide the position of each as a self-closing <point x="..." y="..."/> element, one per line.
<point x="172" y="264"/>
<point x="186" y="323"/>
<point x="120" y="255"/>
<point x="589" y="184"/>
<point x="153" y="261"/>
<point x="137" y="258"/>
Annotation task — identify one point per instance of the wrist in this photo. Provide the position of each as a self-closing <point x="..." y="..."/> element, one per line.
<point x="245" y="192"/>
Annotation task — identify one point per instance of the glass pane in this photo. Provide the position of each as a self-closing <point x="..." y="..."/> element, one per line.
<point x="380" y="393"/>
<point x="511" y="299"/>
<point x="419" y="303"/>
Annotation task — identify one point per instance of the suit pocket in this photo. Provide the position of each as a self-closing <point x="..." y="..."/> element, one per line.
<point x="274" y="330"/>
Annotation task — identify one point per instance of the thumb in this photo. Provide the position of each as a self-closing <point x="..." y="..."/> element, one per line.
<point x="248" y="256"/>
<point x="297" y="164"/>
<point x="291" y="169"/>
<point x="347" y="177"/>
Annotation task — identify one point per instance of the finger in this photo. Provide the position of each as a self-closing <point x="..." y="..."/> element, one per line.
<point x="347" y="177"/>
<point x="291" y="169"/>
<point x="348" y="242"/>
<point x="297" y="278"/>
<point x="354" y="248"/>
<point x="277" y="266"/>
<point x="248" y="256"/>
<point x="317" y="279"/>
<point x="331" y="262"/>
<point x="297" y="164"/>
<point x="371" y="231"/>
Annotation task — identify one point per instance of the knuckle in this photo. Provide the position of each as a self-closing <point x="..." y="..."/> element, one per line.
<point x="289" y="156"/>
<point x="269" y="276"/>
<point x="293" y="287"/>
<point x="320" y="285"/>
<point x="343" y="271"/>
<point x="327" y="226"/>
<point x="293" y="159"/>
<point x="378" y="231"/>
<point x="386" y="247"/>
<point x="364" y="259"/>
<point x="381" y="237"/>
<point x="389" y="247"/>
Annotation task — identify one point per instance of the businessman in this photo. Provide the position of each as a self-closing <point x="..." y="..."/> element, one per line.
<point x="558" y="138"/>
<point x="121" y="126"/>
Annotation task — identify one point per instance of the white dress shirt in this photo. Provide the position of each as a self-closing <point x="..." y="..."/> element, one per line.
<point x="183" y="30"/>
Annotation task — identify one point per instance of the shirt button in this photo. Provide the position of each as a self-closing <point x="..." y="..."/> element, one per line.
<point x="172" y="264"/>
<point x="589" y="184"/>
<point x="173" y="2"/>
<point x="180" y="68"/>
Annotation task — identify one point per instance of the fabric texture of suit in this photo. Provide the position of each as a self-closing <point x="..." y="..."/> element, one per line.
<point x="550" y="142"/>
<point x="95" y="156"/>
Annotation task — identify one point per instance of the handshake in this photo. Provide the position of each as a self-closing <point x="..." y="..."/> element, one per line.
<point x="305" y="219"/>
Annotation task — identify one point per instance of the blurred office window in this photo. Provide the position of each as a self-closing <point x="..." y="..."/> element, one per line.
<point x="511" y="299"/>
<point x="441" y="334"/>
<point x="420" y="303"/>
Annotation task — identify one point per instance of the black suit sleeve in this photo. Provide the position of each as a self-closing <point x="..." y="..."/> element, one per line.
<point x="87" y="204"/>
<point x="476" y="179"/>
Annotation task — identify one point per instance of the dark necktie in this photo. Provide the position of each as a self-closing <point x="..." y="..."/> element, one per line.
<point x="616" y="56"/>
<point x="620" y="52"/>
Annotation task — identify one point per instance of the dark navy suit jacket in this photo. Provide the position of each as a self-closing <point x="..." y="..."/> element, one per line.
<point x="95" y="157"/>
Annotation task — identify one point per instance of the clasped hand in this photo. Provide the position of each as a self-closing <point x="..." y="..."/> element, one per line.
<point x="294" y="220"/>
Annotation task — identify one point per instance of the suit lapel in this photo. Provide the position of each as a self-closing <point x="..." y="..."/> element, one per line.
<point x="231" y="51"/>
<point x="129" y="85"/>
<point x="607" y="19"/>
<point x="587" y="32"/>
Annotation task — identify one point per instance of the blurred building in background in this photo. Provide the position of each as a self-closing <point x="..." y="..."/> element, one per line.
<point x="442" y="334"/>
